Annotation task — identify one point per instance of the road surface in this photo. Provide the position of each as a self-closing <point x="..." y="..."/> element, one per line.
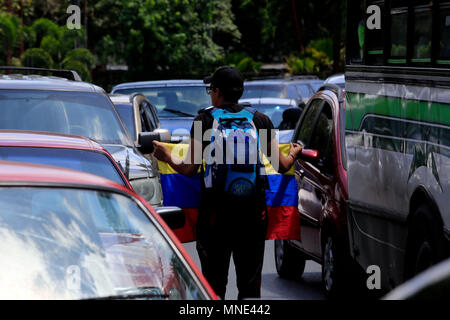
<point x="273" y="287"/>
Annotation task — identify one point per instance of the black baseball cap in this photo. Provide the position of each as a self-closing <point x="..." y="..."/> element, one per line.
<point x="225" y="77"/>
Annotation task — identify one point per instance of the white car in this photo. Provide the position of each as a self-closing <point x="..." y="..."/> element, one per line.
<point x="275" y="109"/>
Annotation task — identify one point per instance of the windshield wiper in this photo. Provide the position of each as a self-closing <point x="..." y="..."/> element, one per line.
<point x="136" y="293"/>
<point x="133" y="296"/>
<point x="179" y="112"/>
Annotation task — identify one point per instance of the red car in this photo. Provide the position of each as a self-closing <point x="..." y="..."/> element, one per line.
<point x="67" y="234"/>
<point x="322" y="194"/>
<point x="62" y="150"/>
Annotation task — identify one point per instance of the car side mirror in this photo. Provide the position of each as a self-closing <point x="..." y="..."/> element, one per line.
<point x="173" y="216"/>
<point x="164" y="135"/>
<point x="309" y="154"/>
<point x="145" y="139"/>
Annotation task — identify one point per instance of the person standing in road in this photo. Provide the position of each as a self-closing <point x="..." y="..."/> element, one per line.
<point x="232" y="217"/>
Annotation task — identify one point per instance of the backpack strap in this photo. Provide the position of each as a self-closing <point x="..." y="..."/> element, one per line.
<point x="250" y="109"/>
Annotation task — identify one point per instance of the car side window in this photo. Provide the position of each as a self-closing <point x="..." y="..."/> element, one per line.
<point x="303" y="133"/>
<point x="145" y="120"/>
<point x="322" y="139"/>
<point x="151" y="116"/>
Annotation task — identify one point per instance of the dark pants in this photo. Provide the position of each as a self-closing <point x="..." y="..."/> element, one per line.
<point x="248" y="257"/>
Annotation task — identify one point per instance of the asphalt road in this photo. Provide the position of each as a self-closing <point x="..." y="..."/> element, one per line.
<point x="273" y="287"/>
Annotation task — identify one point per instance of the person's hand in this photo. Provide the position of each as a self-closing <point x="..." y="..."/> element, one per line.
<point x="161" y="152"/>
<point x="295" y="150"/>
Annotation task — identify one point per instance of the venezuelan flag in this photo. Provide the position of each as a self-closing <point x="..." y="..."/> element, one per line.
<point x="281" y="198"/>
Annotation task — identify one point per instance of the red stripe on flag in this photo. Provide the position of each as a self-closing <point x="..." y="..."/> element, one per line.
<point x="284" y="223"/>
<point x="187" y="232"/>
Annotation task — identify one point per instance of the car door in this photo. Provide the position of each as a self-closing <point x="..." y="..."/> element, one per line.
<point x="314" y="176"/>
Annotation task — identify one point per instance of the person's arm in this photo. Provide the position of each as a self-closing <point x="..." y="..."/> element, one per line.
<point x="280" y="162"/>
<point x="187" y="166"/>
<point x="285" y="163"/>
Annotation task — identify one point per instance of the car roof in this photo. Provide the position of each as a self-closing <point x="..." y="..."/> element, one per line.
<point x="120" y="98"/>
<point x="280" y="101"/>
<point x="38" y="82"/>
<point x="264" y="82"/>
<point x="14" y="173"/>
<point x="285" y="80"/>
<point x="19" y="138"/>
<point x="340" y="77"/>
<point x="159" y="83"/>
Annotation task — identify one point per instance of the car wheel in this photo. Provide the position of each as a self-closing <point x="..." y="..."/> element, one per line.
<point x="290" y="263"/>
<point x="331" y="266"/>
<point x="425" y="242"/>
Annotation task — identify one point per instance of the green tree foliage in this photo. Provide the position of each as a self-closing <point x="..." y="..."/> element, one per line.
<point x="36" y="57"/>
<point x="311" y="61"/>
<point x="8" y="37"/>
<point x="269" y="28"/>
<point x="45" y="27"/>
<point x="28" y="36"/>
<point x="266" y="26"/>
<point x="174" y="38"/>
<point x="71" y="39"/>
<point x="47" y="44"/>
<point x="79" y="67"/>
<point x="52" y="46"/>
<point x="243" y="62"/>
<point x="166" y="37"/>
<point x="323" y="44"/>
<point x="81" y="55"/>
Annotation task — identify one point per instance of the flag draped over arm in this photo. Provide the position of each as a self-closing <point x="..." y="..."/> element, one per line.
<point x="281" y="198"/>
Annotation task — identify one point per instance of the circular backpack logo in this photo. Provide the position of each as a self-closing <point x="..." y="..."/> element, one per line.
<point x="241" y="187"/>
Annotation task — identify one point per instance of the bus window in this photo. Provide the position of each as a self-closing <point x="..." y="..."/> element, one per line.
<point x="399" y="27"/>
<point x="355" y="31"/>
<point x="422" y="34"/>
<point x="375" y="38"/>
<point x="444" y="45"/>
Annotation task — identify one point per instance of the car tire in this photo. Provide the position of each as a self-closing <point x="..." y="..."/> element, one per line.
<point x="289" y="262"/>
<point x="426" y="242"/>
<point x="333" y="266"/>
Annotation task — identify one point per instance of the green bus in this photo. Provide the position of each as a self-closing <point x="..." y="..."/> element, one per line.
<point x="398" y="135"/>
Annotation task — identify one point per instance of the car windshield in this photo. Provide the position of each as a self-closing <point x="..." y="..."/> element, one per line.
<point x="64" y="243"/>
<point x="264" y="91"/>
<point x="273" y="111"/>
<point x="81" y="160"/>
<point x="316" y="85"/>
<point x="304" y="90"/>
<point x="81" y="113"/>
<point x="170" y="102"/>
<point x="127" y="115"/>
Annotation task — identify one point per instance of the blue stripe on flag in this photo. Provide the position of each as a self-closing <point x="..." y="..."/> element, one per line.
<point x="282" y="191"/>
<point x="184" y="192"/>
<point x="181" y="191"/>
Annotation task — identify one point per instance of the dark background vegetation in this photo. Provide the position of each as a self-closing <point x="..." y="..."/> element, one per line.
<point x="128" y="40"/>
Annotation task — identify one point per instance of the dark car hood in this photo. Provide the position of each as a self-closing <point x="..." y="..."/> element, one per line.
<point x="177" y="126"/>
<point x="134" y="164"/>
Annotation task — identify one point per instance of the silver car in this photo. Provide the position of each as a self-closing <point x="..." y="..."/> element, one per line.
<point x="64" y="104"/>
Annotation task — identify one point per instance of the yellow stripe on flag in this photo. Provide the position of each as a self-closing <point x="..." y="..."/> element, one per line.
<point x="284" y="148"/>
<point x="180" y="150"/>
